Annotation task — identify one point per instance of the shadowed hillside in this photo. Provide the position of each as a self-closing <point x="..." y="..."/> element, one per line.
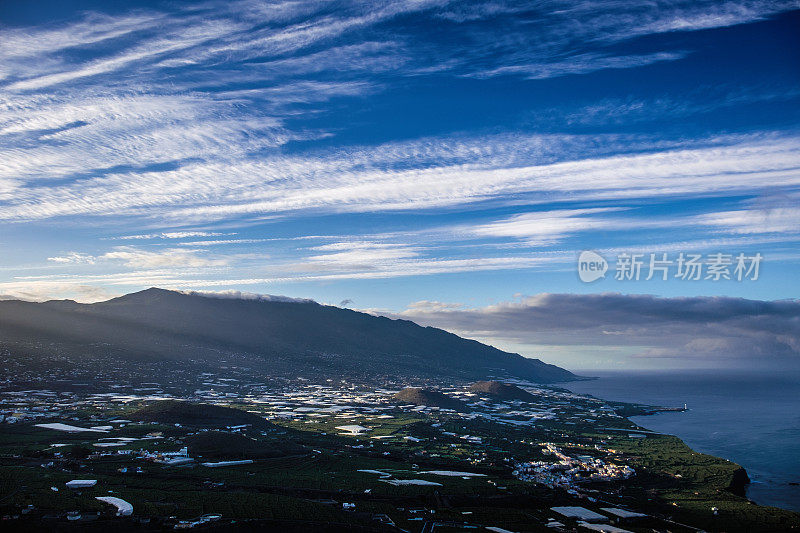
<point x="282" y="337"/>
<point x="501" y="391"/>
<point x="197" y="415"/>
<point x="430" y="398"/>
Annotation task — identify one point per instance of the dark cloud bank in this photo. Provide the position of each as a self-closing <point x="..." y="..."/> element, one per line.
<point x="744" y="332"/>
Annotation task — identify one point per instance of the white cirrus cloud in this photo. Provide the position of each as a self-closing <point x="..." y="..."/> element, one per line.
<point x="73" y="258"/>
<point x="198" y="191"/>
<point x="143" y="259"/>
<point x="136" y="258"/>
<point x="172" y="235"/>
<point x="752" y="221"/>
<point x="546" y="227"/>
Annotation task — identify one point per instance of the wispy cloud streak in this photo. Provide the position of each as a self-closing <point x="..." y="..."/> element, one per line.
<point x="202" y="120"/>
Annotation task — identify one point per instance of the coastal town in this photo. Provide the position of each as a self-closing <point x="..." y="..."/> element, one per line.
<point x="375" y="456"/>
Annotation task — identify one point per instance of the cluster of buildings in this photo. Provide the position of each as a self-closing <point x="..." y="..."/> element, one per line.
<point x="568" y="472"/>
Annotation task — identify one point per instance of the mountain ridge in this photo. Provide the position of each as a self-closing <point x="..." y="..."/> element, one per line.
<point x="282" y="336"/>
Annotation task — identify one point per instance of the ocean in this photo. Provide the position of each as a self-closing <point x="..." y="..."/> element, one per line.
<point x="751" y="418"/>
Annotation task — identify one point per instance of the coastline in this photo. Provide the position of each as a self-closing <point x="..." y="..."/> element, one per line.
<point x="739" y="479"/>
<point x="734" y="416"/>
<point x="683" y="485"/>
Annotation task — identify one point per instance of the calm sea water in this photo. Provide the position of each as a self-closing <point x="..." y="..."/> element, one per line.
<point x="750" y="418"/>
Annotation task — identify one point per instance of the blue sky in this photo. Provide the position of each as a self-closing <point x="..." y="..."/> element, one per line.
<point x="415" y="158"/>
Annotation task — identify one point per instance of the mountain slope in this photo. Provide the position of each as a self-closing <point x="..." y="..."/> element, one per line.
<point x="429" y="398"/>
<point x="197" y="415"/>
<point x="501" y="391"/>
<point x="279" y="336"/>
